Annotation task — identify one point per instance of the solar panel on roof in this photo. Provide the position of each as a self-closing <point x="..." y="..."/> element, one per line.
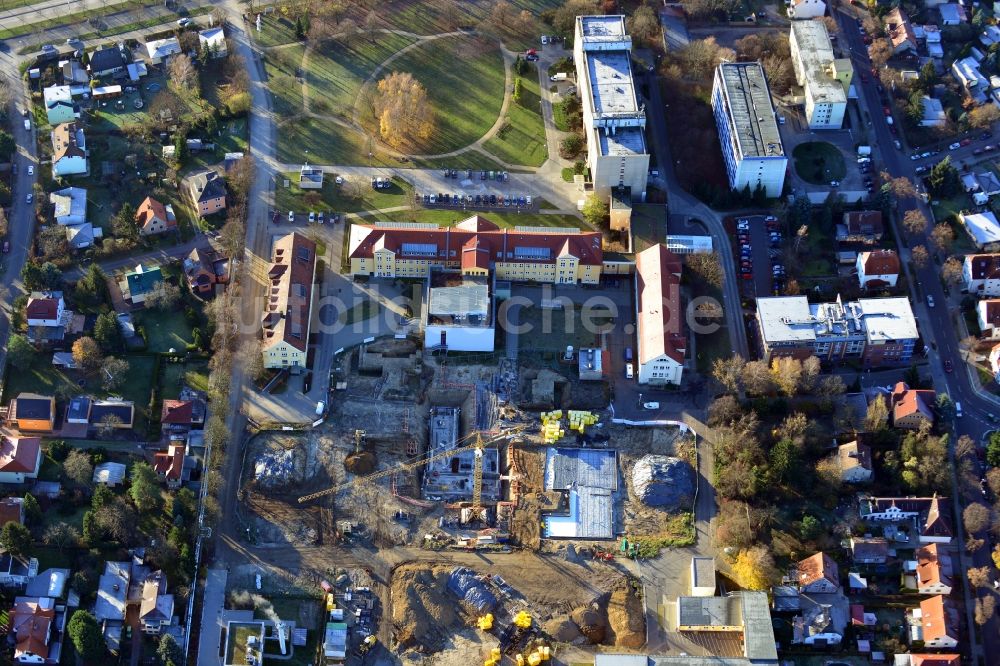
<point x="419" y="248"/>
<point x="532" y="253"/>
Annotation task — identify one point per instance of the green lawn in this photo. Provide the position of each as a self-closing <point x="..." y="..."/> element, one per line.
<point x="353" y="196"/>
<point x="174" y="376"/>
<point x="121" y="112"/>
<point x="281" y="66"/>
<point x="521" y="140"/>
<point x="445" y="217"/>
<point x="464" y="78"/>
<point x="275" y="30"/>
<point x="164" y="330"/>
<point x="819" y="162"/>
<point x="649" y="225"/>
<point x="237" y="642"/>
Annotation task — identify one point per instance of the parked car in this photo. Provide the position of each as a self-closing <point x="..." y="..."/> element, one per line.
<point x="930" y="301"/>
<point x="948" y="367"/>
<point x="291" y="216"/>
<point x="955" y="146"/>
<point x="30" y="197"/>
<point x="183" y="22"/>
<point x="650" y="405"/>
<point x="312" y="216"/>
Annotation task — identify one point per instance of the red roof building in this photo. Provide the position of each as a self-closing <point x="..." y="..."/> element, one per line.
<point x="153" y="217"/>
<point x="169" y="465"/>
<point x="911" y="407"/>
<point x="661" y="332"/>
<point x="31" y="624"/>
<point x="20" y="458"/>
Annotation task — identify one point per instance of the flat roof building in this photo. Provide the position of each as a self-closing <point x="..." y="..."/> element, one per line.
<point x="459" y="313"/>
<point x="613" y="118"/>
<point x="748" y="131"/>
<point x="825" y="79"/>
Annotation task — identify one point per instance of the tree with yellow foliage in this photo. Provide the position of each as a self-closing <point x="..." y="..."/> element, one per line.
<point x="754" y="568"/>
<point x="403" y="111"/>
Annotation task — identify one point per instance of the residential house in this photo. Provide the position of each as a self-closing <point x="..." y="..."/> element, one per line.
<point x="11" y="510"/>
<point x="204" y="269"/>
<point x="186" y="413"/>
<point x="806" y="9"/>
<point x="310" y="178"/>
<point x="822" y="619"/>
<point x="861" y="226"/>
<point x="877" y="269"/>
<point x="910" y="408"/>
<point x="20" y="458"/>
<point x="208" y="191"/>
<point x="926" y="659"/>
<point x="153" y="217"/>
<point x="158" y="50"/>
<point x="32" y="412"/>
<point x="81" y="236"/>
<point x="988" y="316"/>
<point x="109" y="60"/>
<point x="287" y="315"/>
<point x="855" y="461"/>
<point x="15" y="571"/>
<point x="156" y="608"/>
<point x="932" y="42"/>
<point x="981" y="274"/>
<point x="112" y="593"/>
<point x="933" y="115"/>
<point x="952" y="13"/>
<point x="74" y="72"/>
<point x="112" y="413"/>
<point x="923" y="514"/>
<point x="934" y="623"/>
<point x="69" y="150"/>
<point x="69" y="205"/>
<point x="46" y="309"/>
<point x="900" y="31"/>
<point x="59" y="105"/>
<point x="661" y="333"/>
<point x="139" y="283"/>
<point x="214" y="41"/>
<point x="966" y="72"/>
<point x="818" y="573"/>
<point x="169" y="465"/>
<point x="933" y="571"/>
<point x="36" y="626"/>
<point x="869" y="550"/>
<point x="110" y="474"/>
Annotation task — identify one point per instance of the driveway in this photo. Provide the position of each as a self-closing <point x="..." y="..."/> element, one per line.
<point x="210" y="639"/>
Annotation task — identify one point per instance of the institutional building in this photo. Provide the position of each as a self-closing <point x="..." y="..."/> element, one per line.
<point x="478" y="247"/>
<point x="825" y="79"/>
<point x="877" y="331"/>
<point x="613" y="119"/>
<point x="660" y="316"/>
<point x="289" y="306"/>
<point x="748" y="131"/>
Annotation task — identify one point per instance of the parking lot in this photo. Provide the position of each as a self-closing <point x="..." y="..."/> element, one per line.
<point x="757" y="251"/>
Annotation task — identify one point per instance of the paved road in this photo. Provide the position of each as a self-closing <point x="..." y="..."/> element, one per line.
<point x="210" y="637"/>
<point x="158" y="256"/>
<point x="936" y="323"/>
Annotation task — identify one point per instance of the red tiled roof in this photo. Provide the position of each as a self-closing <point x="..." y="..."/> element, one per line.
<point x="899" y="28"/>
<point x="935" y="660"/>
<point x="984" y="266"/>
<point x="661" y="327"/>
<point x="857" y="615"/>
<point x="476" y="254"/>
<point x="868" y="222"/>
<point x="19" y="454"/>
<point x="906" y="401"/>
<point x="817" y="567"/>
<point x="42" y="308"/>
<point x="935" y="618"/>
<point x="150" y="209"/>
<point x="30" y="625"/>
<point x="286" y="316"/>
<point x="989" y="311"/>
<point x="880" y="262"/>
<point x="170" y="464"/>
<point x="179" y="412"/>
<point x="933" y="566"/>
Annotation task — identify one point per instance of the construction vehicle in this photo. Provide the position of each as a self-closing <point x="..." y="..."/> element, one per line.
<point x="478" y="445"/>
<point x="367" y="644"/>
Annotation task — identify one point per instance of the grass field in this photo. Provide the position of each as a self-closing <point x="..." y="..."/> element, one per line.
<point x="350" y="197"/>
<point x="282" y="66"/>
<point x="164" y="330"/>
<point x="521" y="140"/>
<point x="464" y="78"/>
<point x="818" y="162"/>
<point x="174" y="376"/>
<point x="236" y="652"/>
<point x="446" y="217"/>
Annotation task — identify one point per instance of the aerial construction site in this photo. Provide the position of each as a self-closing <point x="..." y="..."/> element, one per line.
<point x="441" y="467"/>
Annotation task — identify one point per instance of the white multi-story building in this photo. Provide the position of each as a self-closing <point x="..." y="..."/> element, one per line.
<point x="613" y="119"/>
<point x="748" y="131"/>
<point x="981" y="274"/>
<point x="824" y="78"/>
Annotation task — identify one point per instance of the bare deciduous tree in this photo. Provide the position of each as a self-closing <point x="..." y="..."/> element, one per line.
<point x="183" y="75"/>
<point x="729" y="372"/>
<point x="976" y="518"/>
<point x="914" y="222"/>
<point x="78" y="469"/>
<point x="920" y="256"/>
<point x="877" y="418"/>
<point x="942" y="236"/>
<point x="951" y="271"/>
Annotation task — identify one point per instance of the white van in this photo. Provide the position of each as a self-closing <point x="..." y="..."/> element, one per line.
<point x="958" y="409"/>
<point x="629" y="373"/>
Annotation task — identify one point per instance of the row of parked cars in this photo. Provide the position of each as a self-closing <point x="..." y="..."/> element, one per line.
<point x="865" y="167"/>
<point x="775" y="238"/>
<point x="470" y="174"/>
<point x="493" y="200"/>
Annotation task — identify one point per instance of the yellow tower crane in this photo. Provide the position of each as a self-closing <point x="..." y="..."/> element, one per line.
<point x="478" y="446"/>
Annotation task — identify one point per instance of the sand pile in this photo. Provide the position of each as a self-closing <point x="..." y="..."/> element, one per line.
<point x="626" y="617"/>
<point x="422" y="611"/>
<point x="360" y="463"/>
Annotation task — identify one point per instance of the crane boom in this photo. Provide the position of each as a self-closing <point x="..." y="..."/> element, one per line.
<point x="375" y="476"/>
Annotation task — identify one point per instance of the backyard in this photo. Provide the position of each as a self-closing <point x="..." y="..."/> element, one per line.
<point x="818" y="162"/>
<point x="165" y="331"/>
<point x="175" y="376"/>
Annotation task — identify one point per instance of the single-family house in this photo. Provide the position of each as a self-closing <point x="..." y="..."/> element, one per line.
<point x="109" y="60"/>
<point x="818" y="573"/>
<point x="911" y="407"/>
<point x="877" y="269"/>
<point x="994" y="360"/>
<point x="855" y="459"/>
<point x="214" y="41"/>
<point x="900" y="31"/>
<point x="59" y="105"/>
<point x="981" y="227"/>
<point x="74" y="72"/>
<point x="184" y="414"/>
<point x="169" y="465"/>
<point x="69" y="205"/>
<point x="822" y="619"/>
<point x="208" y="191"/>
<point x="932" y="42"/>
<point x="11" y="510"/>
<point x="156" y="608"/>
<point x="16" y="571"/>
<point x="204" y="269"/>
<point x="933" y="114"/>
<point x="112" y="593"/>
<point x="158" y="50"/>
<point x="934" y="623"/>
<point x="153" y="217"/>
<point x="869" y="550"/>
<point x="806" y="9"/>
<point x="36" y="626"/>
<point x="81" y="236"/>
<point x="966" y="72"/>
<point x="32" y="412"/>
<point x="110" y="474"/>
<point x="137" y="284"/>
<point x="861" y="226"/>
<point x="988" y="316"/>
<point x="981" y="274"/>
<point x="933" y="570"/>
<point x="988" y="183"/>
<point x="952" y="13"/>
<point x="989" y="36"/>
<point x="69" y="150"/>
<point x="45" y="308"/>
<point x="20" y="458"/>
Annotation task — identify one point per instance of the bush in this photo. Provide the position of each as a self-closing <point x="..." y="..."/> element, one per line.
<point x="58" y="450"/>
<point x="571" y="146"/>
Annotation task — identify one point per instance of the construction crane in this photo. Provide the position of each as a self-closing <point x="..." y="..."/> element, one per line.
<point x="477" y="446"/>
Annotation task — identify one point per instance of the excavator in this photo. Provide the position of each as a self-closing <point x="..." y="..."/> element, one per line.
<point x="479" y="443"/>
